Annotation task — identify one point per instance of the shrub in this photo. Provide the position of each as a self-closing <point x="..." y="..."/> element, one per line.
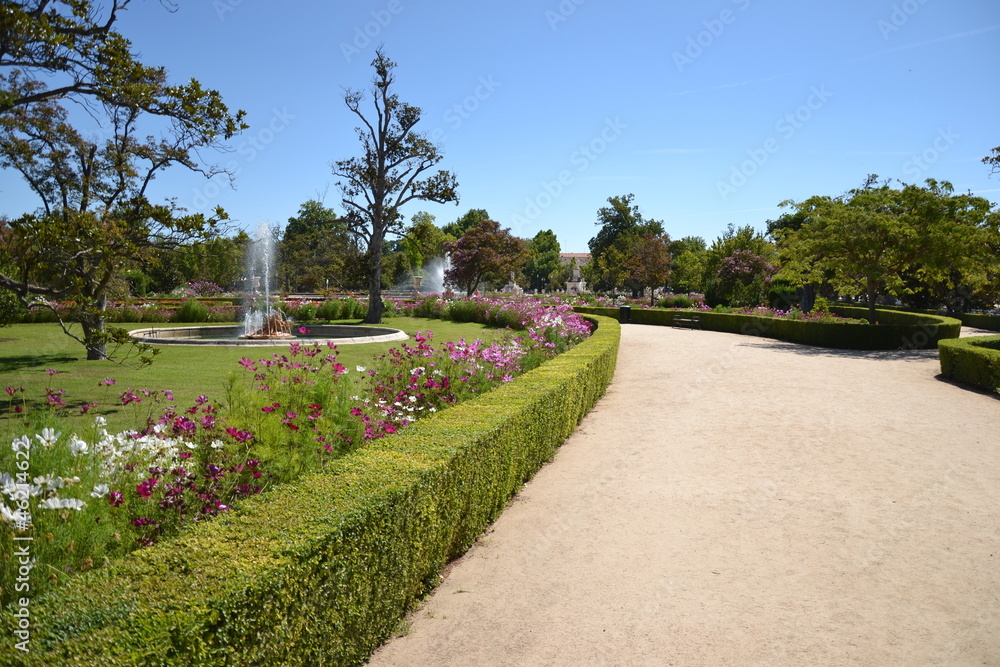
<point x="899" y="330"/>
<point x="676" y="301"/>
<point x="190" y="311"/>
<point x="974" y="361"/>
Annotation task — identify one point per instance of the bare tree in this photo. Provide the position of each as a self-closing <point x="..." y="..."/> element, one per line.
<point x="388" y="174"/>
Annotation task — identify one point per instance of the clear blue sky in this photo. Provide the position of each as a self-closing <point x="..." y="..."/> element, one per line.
<point x="710" y="112"/>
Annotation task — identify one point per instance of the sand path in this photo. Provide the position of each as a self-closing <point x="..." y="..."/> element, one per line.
<point x="742" y="501"/>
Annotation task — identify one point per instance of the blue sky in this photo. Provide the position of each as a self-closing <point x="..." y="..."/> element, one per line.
<point x="710" y="112"/>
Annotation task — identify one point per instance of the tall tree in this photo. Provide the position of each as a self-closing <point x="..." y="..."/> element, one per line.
<point x="621" y="226"/>
<point x="688" y="264"/>
<point x="649" y="262"/>
<point x="95" y="220"/>
<point x="543" y="261"/>
<point x="317" y="250"/>
<point x="485" y="253"/>
<point x="387" y="176"/>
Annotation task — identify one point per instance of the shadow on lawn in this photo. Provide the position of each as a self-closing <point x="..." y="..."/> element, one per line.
<point x="872" y="355"/>
<point x="18" y="363"/>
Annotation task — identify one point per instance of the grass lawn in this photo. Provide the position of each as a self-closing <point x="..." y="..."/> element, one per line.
<point x="27" y="351"/>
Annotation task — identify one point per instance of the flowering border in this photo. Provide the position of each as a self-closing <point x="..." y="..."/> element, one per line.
<point x="320" y="572"/>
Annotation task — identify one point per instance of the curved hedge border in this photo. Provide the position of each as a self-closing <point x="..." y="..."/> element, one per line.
<point x="974" y="361"/>
<point x="320" y="571"/>
<point x="899" y="330"/>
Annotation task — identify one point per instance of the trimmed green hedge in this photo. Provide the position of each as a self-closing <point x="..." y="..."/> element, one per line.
<point x="319" y="572"/>
<point x="899" y="331"/>
<point x="974" y="361"/>
<point x="981" y="321"/>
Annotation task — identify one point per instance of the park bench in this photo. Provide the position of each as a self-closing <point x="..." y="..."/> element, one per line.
<point x="693" y="321"/>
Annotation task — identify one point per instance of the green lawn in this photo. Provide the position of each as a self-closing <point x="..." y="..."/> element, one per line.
<point x="28" y="350"/>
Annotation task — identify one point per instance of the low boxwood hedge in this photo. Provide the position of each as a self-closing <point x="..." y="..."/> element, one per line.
<point x="899" y="330"/>
<point x="974" y="361"/>
<point x="319" y="572"/>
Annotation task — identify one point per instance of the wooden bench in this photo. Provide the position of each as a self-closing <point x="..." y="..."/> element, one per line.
<point x="693" y="321"/>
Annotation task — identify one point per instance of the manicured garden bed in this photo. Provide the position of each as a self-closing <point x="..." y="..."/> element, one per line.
<point x="320" y="571"/>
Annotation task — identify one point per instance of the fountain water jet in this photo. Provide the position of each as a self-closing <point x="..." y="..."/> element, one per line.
<point x="261" y="320"/>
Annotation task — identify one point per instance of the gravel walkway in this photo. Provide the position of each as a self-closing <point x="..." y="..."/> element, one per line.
<point x="742" y="501"/>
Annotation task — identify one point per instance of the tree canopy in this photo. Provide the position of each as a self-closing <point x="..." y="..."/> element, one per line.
<point x="95" y="219"/>
<point x="485" y="254"/>
<point x="543" y="267"/>
<point x="875" y="240"/>
<point x="622" y="225"/>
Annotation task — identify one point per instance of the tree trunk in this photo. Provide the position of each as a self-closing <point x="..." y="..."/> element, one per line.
<point x="375" y="305"/>
<point x="872" y="295"/>
<point x="93" y="331"/>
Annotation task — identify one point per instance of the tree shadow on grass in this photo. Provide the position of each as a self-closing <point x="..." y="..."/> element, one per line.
<point x="815" y="351"/>
<point x="9" y="364"/>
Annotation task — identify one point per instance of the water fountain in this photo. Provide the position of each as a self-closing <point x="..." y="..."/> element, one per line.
<point x="261" y="320"/>
<point x="263" y="324"/>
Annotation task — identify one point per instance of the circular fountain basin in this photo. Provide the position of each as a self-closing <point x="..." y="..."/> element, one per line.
<point x="229" y="335"/>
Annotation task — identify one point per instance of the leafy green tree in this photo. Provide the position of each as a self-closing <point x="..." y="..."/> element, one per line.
<point x="375" y="186"/>
<point x="621" y="226"/>
<point x="874" y="241"/>
<point x="317" y="250"/>
<point x="688" y="268"/>
<point x="423" y="241"/>
<point x="485" y="254"/>
<point x="69" y="49"/>
<point x="543" y="261"/>
<point x="649" y="263"/>
<point x="95" y="220"/>
<point x="721" y="284"/>
<point x="470" y="219"/>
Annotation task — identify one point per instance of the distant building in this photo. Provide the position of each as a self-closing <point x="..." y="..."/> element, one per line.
<point x="576" y="284"/>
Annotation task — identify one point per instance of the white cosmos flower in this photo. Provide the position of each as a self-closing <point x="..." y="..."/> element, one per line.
<point x="21" y="444"/>
<point x="100" y="422"/>
<point x="361" y="369"/>
<point x="217" y="444"/>
<point x="100" y="491"/>
<point x="48" y="437"/>
<point x="78" y="446"/>
<point x="55" y="503"/>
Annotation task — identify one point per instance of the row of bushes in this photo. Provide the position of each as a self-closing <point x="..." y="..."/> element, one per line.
<point x="320" y="572"/>
<point x="974" y="361"/>
<point x="986" y="321"/>
<point x="899" y="331"/>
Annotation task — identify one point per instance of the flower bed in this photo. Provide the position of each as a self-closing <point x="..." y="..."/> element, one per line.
<point x="320" y="571"/>
<point x="974" y="361"/>
<point x="291" y="413"/>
